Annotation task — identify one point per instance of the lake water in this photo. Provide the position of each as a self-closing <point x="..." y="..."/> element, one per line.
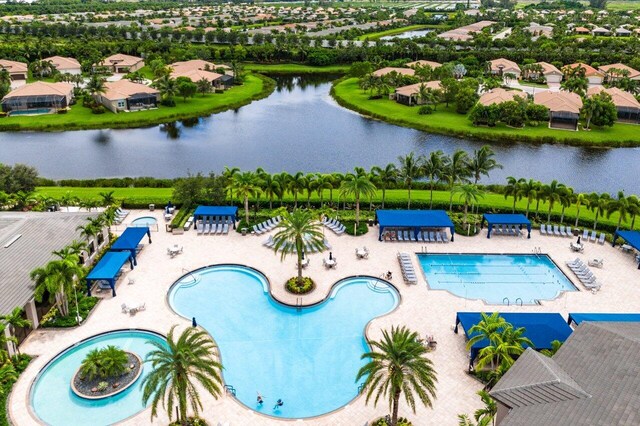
<point x="298" y="128"/>
<point x="407" y="34"/>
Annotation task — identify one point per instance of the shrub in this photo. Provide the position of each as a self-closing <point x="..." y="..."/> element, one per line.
<point x="62" y="111"/>
<point x="294" y="287"/>
<point x="425" y="110"/>
<point x="191" y="421"/>
<point x="98" y="109"/>
<point x="168" y="102"/>
<point x="102" y="386"/>
<point x="401" y="422"/>
<point x="106" y="362"/>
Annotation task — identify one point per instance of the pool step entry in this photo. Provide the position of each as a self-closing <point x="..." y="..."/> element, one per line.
<point x="378" y="286"/>
<point x="230" y="389"/>
<point x="191" y="281"/>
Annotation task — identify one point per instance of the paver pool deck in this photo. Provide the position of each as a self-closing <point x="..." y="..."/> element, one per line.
<point x="426" y="311"/>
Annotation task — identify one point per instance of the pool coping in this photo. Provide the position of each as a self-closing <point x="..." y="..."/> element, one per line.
<point x="44" y="367"/>
<point x="560" y="293"/>
<point x="270" y="294"/>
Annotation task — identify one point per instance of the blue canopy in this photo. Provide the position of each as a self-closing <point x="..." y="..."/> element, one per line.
<point x="228" y="212"/>
<point x="540" y="328"/>
<point x="505" y="219"/>
<point x="108" y="268"/>
<point x="130" y="239"/>
<point x="579" y="317"/>
<point x="631" y="237"/>
<point x="415" y="219"/>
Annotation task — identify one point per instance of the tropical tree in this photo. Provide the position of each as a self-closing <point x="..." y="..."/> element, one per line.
<point x="296" y="185"/>
<point x="486" y="414"/>
<point x="482" y="163"/>
<point x="469" y="194"/>
<point x="204" y="86"/>
<point x="433" y="169"/>
<point x="552" y="193"/>
<point x="8" y="374"/>
<point x="270" y="186"/>
<point x="398" y="364"/>
<point x="456" y="170"/>
<point x="620" y="205"/>
<point x="107" y="198"/>
<point x="227" y="175"/>
<point x="179" y="369"/>
<point x="296" y="231"/>
<point x="555" y="346"/>
<point x="283" y="181"/>
<point x="488" y="328"/>
<point x="357" y="186"/>
<point x="566" y="199"/>
<point x="580" y="199"/>
<point x="95" y="85"/>
<point x="513" y="189"/>
<point x="530" y="190"/>
<point x="245" y="185"/>
<point x="57" y="279"/>
<point x="15" y="319"/>
<point x="409" y="170"/>
<point x="598" y="203"/>
<point x="320" y="183"/>
<point x="167" y="86"/>
<point x="385" y="178"/>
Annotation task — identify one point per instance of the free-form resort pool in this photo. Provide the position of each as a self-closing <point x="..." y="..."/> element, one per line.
<point x="496" y="278"/>
<point x="54" y="402"/>
<point x="148" y="221"/>
<point x="307" y="357"/>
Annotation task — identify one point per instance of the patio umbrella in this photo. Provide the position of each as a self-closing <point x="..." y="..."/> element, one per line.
<point x="578" y="239"/>
<point x="193" y="322"/>
<point x="330" y="256"/>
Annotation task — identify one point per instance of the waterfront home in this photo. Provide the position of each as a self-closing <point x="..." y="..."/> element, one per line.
<point x="500" y="95"/>
<point x="17" y="70"/>
<point x="125" y="95"/>
<point x="65" y="65"/>
<point x="410" y="95"/>
<point x="616" y="71"/>
<point x="423" y="63"/>
<point x="551" y="74"/>
<point x="564" y="108"/>
<point x="502" y="66"/>
<point x="466" y="32"/>
<point x="198" y="64"/>
<point x="121" y="64"/>
<point x="197" y="70"/>
<point x="594" y="76"/>
<point x="38" y="98"/>
<point x="388" y="70"/>
<point x="626" y="104"/>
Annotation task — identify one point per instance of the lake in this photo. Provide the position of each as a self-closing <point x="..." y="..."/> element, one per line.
<point x="297" y="128"/>
<point x="408" y="34"/>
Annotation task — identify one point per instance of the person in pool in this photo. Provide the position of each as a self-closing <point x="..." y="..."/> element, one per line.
<point x="279" y="404"/>
<point x="259" y="399"/>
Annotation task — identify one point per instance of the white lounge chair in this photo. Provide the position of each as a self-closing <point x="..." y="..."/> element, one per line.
<point x="592" y="237"/>
<point x="585" y="234"/>
<point x="601" y="239"/>
<point x="556" y="230"/>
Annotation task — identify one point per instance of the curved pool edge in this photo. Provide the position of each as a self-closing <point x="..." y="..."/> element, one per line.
<point x="29" y="392"/>
<point x="365" y="334"/>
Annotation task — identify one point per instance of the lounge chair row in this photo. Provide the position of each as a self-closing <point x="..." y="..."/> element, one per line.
<point x="406" y="266"/>
<point x="188" y="224"/>
<point x="421" y="236"/>
<point x="511" y="230"/>
<point x="215" y="226"/>
<point x="592" y="237"/>
<point x="120" y="215"/>
<point x="584" y="274"/>
<point x="266" y="226"/>
<point x="558" y="231"/>
<point x="334" y="225"/>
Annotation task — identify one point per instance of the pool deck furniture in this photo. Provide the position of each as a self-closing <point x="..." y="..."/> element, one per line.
<point x="415" y="220"/>
<point x="330" y="263"/>
<point x="596" y="263"/>
<point x="406" y="266"/>
<point x="509" y="224"/>
<point x="592" y="237"/>
<point x="362" y="253"/>
<point x="576" y="247"/>
<point x="108" y="269"/>
<point x="601" y="238"/>
<point x="631" y="238"/>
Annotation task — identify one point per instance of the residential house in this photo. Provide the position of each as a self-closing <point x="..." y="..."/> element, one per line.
<point x="410" y="95"/>
<point x="197" y="70"/>
<point x="65" y="65"/>
<point x="388" y="70"/>
<point x="502" y="66"/>
<point x="564" y="108"/>
<point x="623" y="32"/>
<point x="612" y="72"/>
<point x="550" y="73"/>
<point x="626" y="104"/>
<point x="500" y="95"/>
<point x="599" y="31"/>
<point x="125" y="95"/>
<point x="40" y="97"/>
<point x="423" y="63"/>
<point x="536" y="30"/>
<point x="122" y="64"/>
<point x="581" y="30"/>
<point x="594" y="76"/>
<point x="17" y="70"/>
<point x="592" y="380"/>
<point x="466" y="32"/>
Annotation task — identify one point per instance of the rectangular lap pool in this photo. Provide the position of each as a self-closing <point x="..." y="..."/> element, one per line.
<point x="496" y="278"/>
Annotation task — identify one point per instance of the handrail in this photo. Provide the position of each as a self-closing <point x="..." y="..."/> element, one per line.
<point x="516" y="301"/>
<point x="230" y="389"/>
<point x="360" y="388"/>
<point x="507" y="299"/>
<point x="189" y="273"/>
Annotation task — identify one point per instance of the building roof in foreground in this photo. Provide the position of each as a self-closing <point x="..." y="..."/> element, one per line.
<point x="594" y="379"/>
<point x="41" y="88"/>
<point x="13" y="66"/>
<point x="122" y="89"/>
<point x="559" y="101"/>
<point x="63" y="63"/>
<point x="619" y="97"/>
<point x="41" y="233"/>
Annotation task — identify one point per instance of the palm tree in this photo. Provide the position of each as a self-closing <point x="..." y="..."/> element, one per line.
<point x="357" y="186"/>
<point x="530" y="190"/>
<point x="321" y="183"/>
<point x="433" y="169"/>
<point x="487" y="328"/>
<point x="57" y="279"/>
<point x="15" y="320"/>
<point x="68" y="199"/>
<point x="385" y="178"/>
<point x="336" y="180"/>
<point x="398" y="364"/>
<point x="489" y="410"/>
<point x="483" y="162"/>
<point x="283" y="181"/>
<point x="245" y="186"/>
<point x="177" y="367"/>
<point x="167" y="86"/>
<point x="107" y="198"/>
<point x="270" y="186"/>
<point x="567" y="198"/>
<point x="309" y="186"/>
<point x="598" y="203"/>
<point x="621" y="206"/>
<point x="410" y="169"/>
<point x="456" y="170"/>
<point x="7" y="374"/>
<point x="204" y="86"/>
<point x="95" y="85"/>
<point x="555" y="346"/>
<point x="295" y="231"/>
<point x="513" y="189"/>
<point x="296" y="185"/>
<point x="580" y="199"/>
<point x="552" y="193"/>
<point x="470" y="194"/>
<point x="634" y="209"/>
<point x="227" y="175"/>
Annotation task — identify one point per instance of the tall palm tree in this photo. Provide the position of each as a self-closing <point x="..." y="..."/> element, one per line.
<point x="227" y="175"/>
<point x="567" y="198"/>
<point x="634" y="209"/>
<point x="15" y="320"/>
<point x="483" y="162"/>
<point x="271" y="187"/>
<point x="245" y="185"/>
<point x="357" y="186"/>
<point x="107" y="198"/>
<point x="621" y="206"/>
<point x="512" y="189"/>
<point x="409" y="170"/>
<point x="385" y="178"/>
<point x="309" y="186"/>
<point x="433" y="169"/>
<point x="95" y="85"/>
<point x="530" y="190"/>
<point x="580" y="200"/>
<point x="456" y="170"/>
<point x="488" y="328"/>
<point x="297" y="230"/>
<point x="57" y="279"/>
<point x="179" y="369"/>
<point x="552" y="193"/>
<point x="469" y="193"/>
<point x="598" y="203"/>
<point x="68" y="199"/>
<point x="283" y="182"/>
<point x="296" y="186"/>
<point x="336" y="180"/>
<point x="321" y="183"/>
<point x="398" y="364"/>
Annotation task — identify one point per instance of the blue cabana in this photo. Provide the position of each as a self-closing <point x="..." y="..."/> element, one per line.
<point x="107" y="269"/>
<point x="540" y="328"/>
<point x="226" y="212"/>
<point x="130" y="239"/>
<point x="577" y="318"/>
<point x="631" y="237"/>
<point x="415" y="219"/>
<point x="505" y="219"/>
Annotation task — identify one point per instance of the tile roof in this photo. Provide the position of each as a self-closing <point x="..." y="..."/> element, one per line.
<point x="123" y="89"/>
<point x="13" y="66"/>
<point x="413" y="89"/>
<point x="499" y="95"/>
<point x="504" y="65"/>
<point x="589" y="70"/>
<point x="423" y="63"/>
<point x="548" y="68"/>
<point x="62" y="63"/>
<point x="559" y="101"/>
<point x="633" y="73"/>
<point x="121" y="59"/>
<point x="196" y="74"/>
<point x="41" y="88"/>
<point x="384" y="71"/>
<point x="619" y="97"/>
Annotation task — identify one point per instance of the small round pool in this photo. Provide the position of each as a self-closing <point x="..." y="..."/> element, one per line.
<point x="307" y="357"/>
<point x="144" y="221"/>
<point x="55" y="403"/>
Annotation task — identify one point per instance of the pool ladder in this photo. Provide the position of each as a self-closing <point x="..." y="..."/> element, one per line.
<point x="190" y="274"/>
<point x="360" y="388"/>
<point x="509" y="303"/>
<point x="230" y="389"/>
<point x="299" y="304"/>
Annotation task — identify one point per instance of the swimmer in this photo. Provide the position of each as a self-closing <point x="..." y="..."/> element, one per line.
<point x="279" y="403"/>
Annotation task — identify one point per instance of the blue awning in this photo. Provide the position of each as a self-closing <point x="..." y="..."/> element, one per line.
<point x="415" y="219"/>
<point x="210" y="213"/>
<point x="130" y="239"/>
<point x="577" y="318"/>
<point x="540" y="328"/>
<point x="505" y="219"/>
<point x="108" y="268"/>
<point x="631" y="237"/>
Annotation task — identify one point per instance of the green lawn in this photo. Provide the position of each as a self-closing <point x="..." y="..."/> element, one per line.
<point x="447" y="121"/>
<point x="396" y="31"/>
<point x="531" y="84"/>
<point x="159" y="196"/>
<point x="296" y="69"/>
<point x="254" y="87"/>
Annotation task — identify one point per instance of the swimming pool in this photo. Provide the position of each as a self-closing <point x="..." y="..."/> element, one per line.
<point x="307" y="357"/>
<point x="496" y="278"/>
<point x="35" y="111"/>
<point x="144" y="221"/>
<point x="54" y="402"/>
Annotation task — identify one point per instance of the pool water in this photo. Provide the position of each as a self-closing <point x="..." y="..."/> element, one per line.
<point x="35" y="111"/>
<point x="309" y="358"/>
<point x="144" y="221"/>
<point x="496" y="278"/>
<point x="55" y="403"/>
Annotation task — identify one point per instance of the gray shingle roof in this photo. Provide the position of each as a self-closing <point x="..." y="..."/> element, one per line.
<point x="41" y="233"/>
<point x="602" y="359"/>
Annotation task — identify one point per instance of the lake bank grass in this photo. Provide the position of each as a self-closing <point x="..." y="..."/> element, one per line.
<point x="295" y="69"/>
<point x="396" y="31"/>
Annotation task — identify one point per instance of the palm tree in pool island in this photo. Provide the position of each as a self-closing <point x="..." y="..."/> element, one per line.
<point x="179" y="369"/>
<point x="397" y="364"/>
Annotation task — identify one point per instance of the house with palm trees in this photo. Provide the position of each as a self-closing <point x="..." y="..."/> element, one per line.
<point x="36" y="98"/>
<point x="197" y="70"/>
<point x="18" y="71"/>
<point x="120" y="63"/>
<point x="65" y="65"/>
<point x="125" y="95"/>
<point x="415" y="94"/>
